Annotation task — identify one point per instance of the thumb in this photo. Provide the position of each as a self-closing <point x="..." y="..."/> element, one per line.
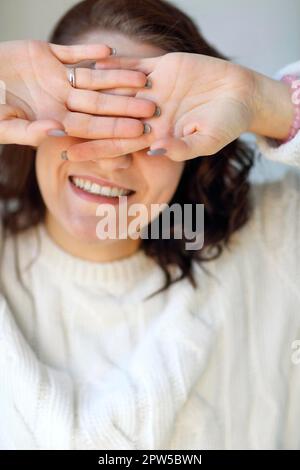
<point x="15" y="128"/>
<point x="186" y="148"/>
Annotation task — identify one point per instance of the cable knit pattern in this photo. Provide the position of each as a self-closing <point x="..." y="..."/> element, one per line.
<point x="88" y="362"/>
<point x="130" y="400"/>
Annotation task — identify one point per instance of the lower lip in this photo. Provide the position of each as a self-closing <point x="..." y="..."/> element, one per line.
<point x="94" y="197"/>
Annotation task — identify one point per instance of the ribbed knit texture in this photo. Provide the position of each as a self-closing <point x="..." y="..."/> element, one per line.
<point x="87" y="363"/>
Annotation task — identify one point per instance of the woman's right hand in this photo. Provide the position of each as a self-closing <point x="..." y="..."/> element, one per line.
<point x="39" y="98"/>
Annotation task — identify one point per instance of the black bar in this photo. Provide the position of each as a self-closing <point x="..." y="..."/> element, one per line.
<point x="133" y="459"/>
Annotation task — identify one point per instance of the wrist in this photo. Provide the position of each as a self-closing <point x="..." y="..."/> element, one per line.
<point x="273" y="113"/>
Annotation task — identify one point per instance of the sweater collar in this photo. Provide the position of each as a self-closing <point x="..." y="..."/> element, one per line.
<point x="116" y="277"/>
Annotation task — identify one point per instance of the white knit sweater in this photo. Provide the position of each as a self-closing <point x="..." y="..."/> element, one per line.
<point x="85" y="363"/>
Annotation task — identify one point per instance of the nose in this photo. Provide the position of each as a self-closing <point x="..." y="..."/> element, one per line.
<point x="114" y="163"/>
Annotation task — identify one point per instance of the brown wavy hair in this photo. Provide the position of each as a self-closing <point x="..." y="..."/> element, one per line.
<point x="218" y="181"/>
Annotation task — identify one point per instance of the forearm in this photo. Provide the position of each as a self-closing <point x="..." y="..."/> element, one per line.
<point x="274" y="111"/>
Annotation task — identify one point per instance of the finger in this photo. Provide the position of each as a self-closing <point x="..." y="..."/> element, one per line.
<point x="107" y="148"/>
<point x="75" y="53"/>
<point x="188" y="147"/>
<point x="90" y="79"/>
<point x="145" y="65"/>
<point x="93" y="102"/>
<point x="86" y="126"/>
<point x="16" y="129"/>
<point x="120" y="91"/>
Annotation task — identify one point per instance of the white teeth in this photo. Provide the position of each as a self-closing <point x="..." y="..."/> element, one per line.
<point x="95" y="188"/>
<point x="114" y="191"/>
<point x="87" y="185"/>
<point x="106" y="191"/>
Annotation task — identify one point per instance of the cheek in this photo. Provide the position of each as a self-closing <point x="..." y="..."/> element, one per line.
<point x="47" y="167"/>
<point x="163" y="178"/>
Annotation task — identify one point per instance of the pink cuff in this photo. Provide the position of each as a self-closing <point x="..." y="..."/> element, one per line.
<point x="294" y="83"/>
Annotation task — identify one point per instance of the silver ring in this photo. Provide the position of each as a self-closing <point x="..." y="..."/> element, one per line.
<point x="72" y="76"/>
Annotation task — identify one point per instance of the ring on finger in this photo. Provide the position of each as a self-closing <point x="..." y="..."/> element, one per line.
<point x="72" y="76"/>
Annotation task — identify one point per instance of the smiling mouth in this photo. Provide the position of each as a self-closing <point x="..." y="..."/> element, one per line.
<point x="96" y="189"/>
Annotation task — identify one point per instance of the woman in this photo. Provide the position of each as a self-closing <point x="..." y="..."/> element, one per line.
<point x="103" y="344"/>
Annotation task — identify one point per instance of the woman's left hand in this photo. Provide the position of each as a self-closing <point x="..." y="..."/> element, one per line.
<point x="205" y="102"/>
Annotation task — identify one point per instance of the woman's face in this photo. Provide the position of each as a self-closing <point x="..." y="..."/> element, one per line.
<point x="72" y="211"/>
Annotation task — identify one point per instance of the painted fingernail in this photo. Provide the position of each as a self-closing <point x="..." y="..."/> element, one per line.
<point x="157" y="152"/>
<point x="113" y="51"/>
<point x="64" y="155"/>
<point x="148" y="83"/>
<point x="147" y="128"/>
<point x="157" y="111"/>
<point x="56" y="133"/>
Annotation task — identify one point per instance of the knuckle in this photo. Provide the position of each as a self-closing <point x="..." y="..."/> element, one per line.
<point x="114" y="127"/>
<point x="90" y="78"/>
<point x="127" y="100"/>
<point x="70" y="99"/>
<point x="99" y="104"/>
<point x="110" y="76"/>
<point x="88" y="126"/>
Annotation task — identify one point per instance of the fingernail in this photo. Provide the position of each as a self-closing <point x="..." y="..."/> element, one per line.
<point x="64" y="155"/>
<point x="148" y="83"/>
<point x="157" y="111"/>
<point x="147" y="128"/>
<point x="56" y="133"/>
<point x="156" y="151"/>
<point x="113" y="51"/>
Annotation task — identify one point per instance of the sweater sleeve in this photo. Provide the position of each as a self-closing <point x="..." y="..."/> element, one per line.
<point x="271" y="265"/>
<point x="277" y="203"/>
<point x="272" y="149"/>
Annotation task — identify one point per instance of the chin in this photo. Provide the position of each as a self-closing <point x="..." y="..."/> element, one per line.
<point x="83" y="230"/>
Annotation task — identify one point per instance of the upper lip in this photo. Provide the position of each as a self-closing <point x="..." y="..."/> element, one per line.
<point x="101" y="181"/>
